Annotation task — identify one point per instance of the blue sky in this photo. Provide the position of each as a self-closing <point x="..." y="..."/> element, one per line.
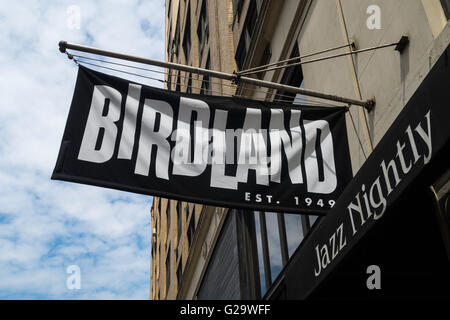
<point x="45" y="225"/>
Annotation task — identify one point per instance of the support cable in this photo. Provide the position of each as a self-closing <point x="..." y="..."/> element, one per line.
<point x="301" y="99"/>
<point x="119" y="64"/>
<point x="357" y="135"/>
<point x="117" y="70"/>
<point x="368" y="104"/>
<point x="295" y="58"/>
<point x="79" y="62"/>
<point x="173" y="77"/>
<point x="149" y="70"/>
<point x="399" y="46"/>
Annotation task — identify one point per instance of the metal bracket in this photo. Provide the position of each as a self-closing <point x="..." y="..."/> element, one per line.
<point x="236" y="78"/>
<point x="62" y="46"/>
<point x="401" y="45"/>
<point x="370" y="104"/>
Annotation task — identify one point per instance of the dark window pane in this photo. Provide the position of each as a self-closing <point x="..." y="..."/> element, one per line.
<point x="191" y="229"/>
<point x="300" y="98"/>
<point x="177" y="32"/>
<point x="206" y="84"/>
<point x="168" y="217"/>
<point x="246" y="35"/>
<point x="179" y="203"/>
<point x="237" y="7"/>
<point x="168" y="271"/>
<point x="178" y="86"/>
<point x="241" y="52"/>
<point x="265" y="58"/>
<point x="179" y="273"/>
<point x="273" y="237"/>
<point x="252" y="15"/>
<point x="292" y="76"/>
<point x="169" y="80"/>
<point x="187" y="35"/>
<point x="189" y="84"/>
<point x="169" y="5"/>
<point x="312" y="220"/>
<point x="294" y="231"/>
<point x="260" y="255"/>
<point x="203" y="28"/>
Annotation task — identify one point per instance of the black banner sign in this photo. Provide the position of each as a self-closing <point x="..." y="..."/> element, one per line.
<point x="418" y="138"/>
<point x="223" y="151"/>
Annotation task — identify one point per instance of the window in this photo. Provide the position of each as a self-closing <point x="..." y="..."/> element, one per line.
<point x="159" y="206"/>
<point x="294" y="231"/>
<point x="278" y="236"/>
<point x="241" y="52"/>
<point x="274" y="244"/>
<point x="168" y="217"/>
<point x="179" y="273"/>
<point x="246" y="35"/>
<point x="186" y="212"/>
<point x="237" y="8"/>
<point x="266" y="54"/>
<point x="169" y="5"/>
<point x="169" y="87"/>
<point x="265" y="58"/>
<point x="300" y="98"/>
<point x="191" y="229"/>
<point x="292" y="76"/>
<point x="176" y="41"/>
<point x="161" y="264"/>
<point x="167" y="271"/>
<point x="156" y="218"/>
<point x="189" y="84"/>
<point x="169" y="43"/>
<point x="178" y="85"/>
<point x="206" y="84"/>
<point x="187" y="34"/>
<point x="203" y="28"/>
<point x="265" y="279"/>
<point x="179" y="206"/>
<point x="176" y="252"/>
<point x="313" y="220"/>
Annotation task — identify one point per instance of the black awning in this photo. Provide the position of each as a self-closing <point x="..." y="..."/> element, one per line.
<point x="416" y="145"/>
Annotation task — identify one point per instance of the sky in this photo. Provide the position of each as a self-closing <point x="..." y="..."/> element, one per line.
<point x="46" y="226"/>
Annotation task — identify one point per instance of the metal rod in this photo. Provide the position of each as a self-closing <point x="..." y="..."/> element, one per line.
<point x="320" y="59"/>
<point x="294" y="58"/>
<point x="63" y="45"/>
<point x="368" y="104"/>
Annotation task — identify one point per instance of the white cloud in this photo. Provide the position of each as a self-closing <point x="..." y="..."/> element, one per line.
<point x="45" y="225"/>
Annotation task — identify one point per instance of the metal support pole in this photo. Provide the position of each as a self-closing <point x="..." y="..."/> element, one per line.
<point x="368" y="104"/>
<point x="295" y="58"/>
<point x="396" y="44"/>
<point x="63" y="46"/>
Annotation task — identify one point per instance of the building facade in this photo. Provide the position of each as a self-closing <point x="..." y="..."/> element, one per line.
<point x="198" y="33"/>
<point x="204" y="252"/>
